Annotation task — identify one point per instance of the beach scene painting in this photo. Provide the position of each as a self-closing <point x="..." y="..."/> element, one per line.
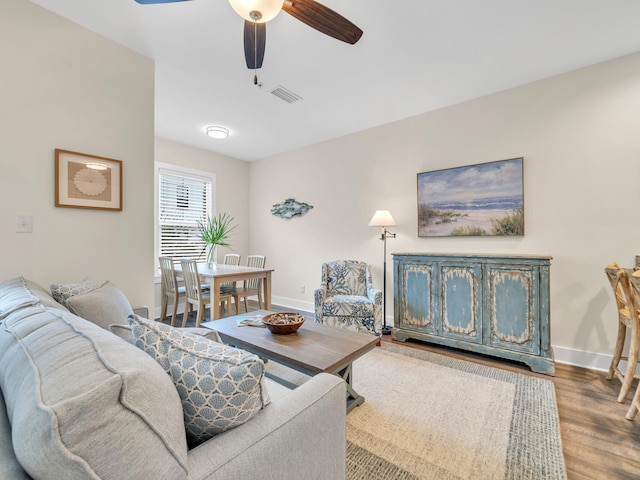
<point x="476" y="200"/>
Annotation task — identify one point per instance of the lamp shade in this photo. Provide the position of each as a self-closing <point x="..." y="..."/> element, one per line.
<point x="267" y="9"/>
<point x="382" y="218"/>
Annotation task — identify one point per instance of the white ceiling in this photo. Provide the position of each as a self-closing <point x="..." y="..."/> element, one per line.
<point x="414" y="56"/>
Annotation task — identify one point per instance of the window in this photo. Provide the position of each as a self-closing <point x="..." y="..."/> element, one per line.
<point x="183" y="198"/>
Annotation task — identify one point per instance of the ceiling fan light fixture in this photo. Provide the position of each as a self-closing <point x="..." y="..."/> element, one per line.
<point x="266" y="9"/>
<point x="217" y="132"/>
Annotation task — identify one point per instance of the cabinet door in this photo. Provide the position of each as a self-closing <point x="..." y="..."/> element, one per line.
<point x="461" y="302"/>
<point x="415" y="282"/>
<point x="512" y="304"/>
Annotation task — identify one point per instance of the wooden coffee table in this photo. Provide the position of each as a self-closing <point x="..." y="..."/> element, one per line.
<point x="313" y="349"/>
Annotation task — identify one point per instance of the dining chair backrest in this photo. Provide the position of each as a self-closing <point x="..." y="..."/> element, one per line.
<point x="168" y="275"/>
<point x="232" y="259"/>
<point x="619" y="280"/>
<point x="191" y="277"/>
<point x="255" y="261"/>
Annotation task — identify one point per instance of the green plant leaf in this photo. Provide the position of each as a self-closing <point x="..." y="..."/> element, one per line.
<point x="216" y="230"/>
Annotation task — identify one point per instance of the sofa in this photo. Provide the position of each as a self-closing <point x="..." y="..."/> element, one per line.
<point x="80" y="402"/>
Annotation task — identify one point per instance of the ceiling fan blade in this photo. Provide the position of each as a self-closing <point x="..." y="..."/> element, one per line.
<point x="254" y="47"/>
<point x="151" y="2"/>
<point x="323" y="19"/>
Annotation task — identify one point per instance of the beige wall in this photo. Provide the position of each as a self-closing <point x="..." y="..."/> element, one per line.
<point x="62" y="86"/>
<point x="578" y="134"/>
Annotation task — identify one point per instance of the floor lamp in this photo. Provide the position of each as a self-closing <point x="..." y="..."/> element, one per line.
<point x="383" y="219"/>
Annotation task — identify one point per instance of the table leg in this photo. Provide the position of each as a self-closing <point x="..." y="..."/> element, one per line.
<point x="215" y="299"/>
<point x="353" y="398"/>
<point x="266" y="286"/>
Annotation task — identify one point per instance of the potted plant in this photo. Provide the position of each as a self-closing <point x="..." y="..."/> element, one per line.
<point x="215" y="231"/>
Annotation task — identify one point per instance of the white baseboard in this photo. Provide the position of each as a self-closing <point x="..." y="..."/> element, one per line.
<point x="581" y="358"/>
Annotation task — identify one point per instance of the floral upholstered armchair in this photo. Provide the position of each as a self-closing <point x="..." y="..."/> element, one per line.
<point x="347" y="297"/>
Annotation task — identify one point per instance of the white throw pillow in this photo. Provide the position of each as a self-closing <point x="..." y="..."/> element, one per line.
<point x="221" y="387"/>
<point x="103" y="306"/>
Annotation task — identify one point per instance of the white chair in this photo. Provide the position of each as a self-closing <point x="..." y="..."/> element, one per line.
<point x="229" y="259"/>
<point x="170" y="288"/>
<point x="193" y="292"/>
<point x="251" y="287"/>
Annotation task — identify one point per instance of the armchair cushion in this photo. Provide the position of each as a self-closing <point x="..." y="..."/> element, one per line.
<point x="347" y="305"/>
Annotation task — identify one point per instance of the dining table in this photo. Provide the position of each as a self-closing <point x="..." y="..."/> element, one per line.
<point x="220" y="273"/>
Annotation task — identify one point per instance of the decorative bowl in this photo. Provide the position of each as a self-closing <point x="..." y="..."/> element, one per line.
<point x="283" y="322"/>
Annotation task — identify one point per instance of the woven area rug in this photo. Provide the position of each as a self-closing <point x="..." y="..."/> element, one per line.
<point x="429" y="416"/>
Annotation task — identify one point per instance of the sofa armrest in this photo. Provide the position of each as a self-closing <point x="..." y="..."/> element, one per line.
<point x="10" y="468"/>
<point x="296" y="436"/>
<point x="141" y="310"/>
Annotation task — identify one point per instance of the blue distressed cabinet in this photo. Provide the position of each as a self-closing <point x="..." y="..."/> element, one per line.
<point x="492" y="304"/>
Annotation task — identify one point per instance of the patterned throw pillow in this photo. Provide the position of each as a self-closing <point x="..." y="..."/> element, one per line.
<point x="62" y="293"/>
<point x="220" y="387"/>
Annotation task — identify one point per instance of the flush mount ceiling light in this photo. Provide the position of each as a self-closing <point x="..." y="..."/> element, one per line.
<point x="217" y="132"/>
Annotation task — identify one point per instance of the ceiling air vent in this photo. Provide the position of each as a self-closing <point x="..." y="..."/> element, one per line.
<point x="286" y="95"/>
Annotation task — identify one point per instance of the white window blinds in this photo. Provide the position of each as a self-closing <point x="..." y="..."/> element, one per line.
<point x="183" y="200"/>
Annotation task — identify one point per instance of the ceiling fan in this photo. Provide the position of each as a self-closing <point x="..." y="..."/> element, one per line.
<point x="257" y="12"/>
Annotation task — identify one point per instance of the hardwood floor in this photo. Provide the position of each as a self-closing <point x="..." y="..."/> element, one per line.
<point x="598" y="442"/>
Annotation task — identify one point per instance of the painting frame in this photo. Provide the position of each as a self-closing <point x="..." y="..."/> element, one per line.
<point x="87" y="181"/>
<point x="483" y="199"/>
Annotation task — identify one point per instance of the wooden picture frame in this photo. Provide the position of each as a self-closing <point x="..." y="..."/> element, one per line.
<point x="87" y="181"/>
<point x="486" y="199"/>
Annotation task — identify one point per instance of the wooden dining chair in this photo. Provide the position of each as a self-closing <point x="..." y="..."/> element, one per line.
<point x="229" y="259"/>
<point x="194" y="294"/>
<point x="628" y="320"/>
<point x="250" y="287"/>
<point x="634" y="287"/>
<point x="171" y="290"/>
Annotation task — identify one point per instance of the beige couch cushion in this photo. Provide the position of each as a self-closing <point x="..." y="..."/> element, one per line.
<point x="103" y="306"/>
<point x="83" y="403"/>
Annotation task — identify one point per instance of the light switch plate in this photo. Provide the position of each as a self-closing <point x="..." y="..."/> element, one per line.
<point x="24" y="224"/>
